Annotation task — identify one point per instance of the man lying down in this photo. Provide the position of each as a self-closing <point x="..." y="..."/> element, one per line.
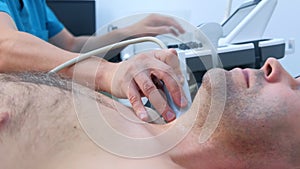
<point x="259" y="127"/>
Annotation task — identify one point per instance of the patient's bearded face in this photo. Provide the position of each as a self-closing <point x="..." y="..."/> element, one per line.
<point x="259" y="125"/>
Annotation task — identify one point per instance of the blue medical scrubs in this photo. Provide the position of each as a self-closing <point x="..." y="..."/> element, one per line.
<point x="32" y="16"/>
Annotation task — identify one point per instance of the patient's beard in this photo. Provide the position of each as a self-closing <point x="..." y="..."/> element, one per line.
<point x="247" y="135"/>
<point x="191" y="152"/>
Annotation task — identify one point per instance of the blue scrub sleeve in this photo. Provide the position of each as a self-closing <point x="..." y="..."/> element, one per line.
<point x="4" y="8"/>
<point x="54" y="26"/>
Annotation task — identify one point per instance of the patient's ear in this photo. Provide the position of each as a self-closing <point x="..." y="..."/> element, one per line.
<point x="4" y="116"/>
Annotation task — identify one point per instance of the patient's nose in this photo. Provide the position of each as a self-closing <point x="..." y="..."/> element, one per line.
<point x="274" y="72"/>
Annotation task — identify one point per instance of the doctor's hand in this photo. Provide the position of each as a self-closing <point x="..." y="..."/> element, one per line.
<point x="154" y="25"/>
<point x="142" y="75"/>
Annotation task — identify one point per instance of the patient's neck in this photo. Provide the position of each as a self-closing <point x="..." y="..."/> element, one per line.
<point x="191" y="153"/>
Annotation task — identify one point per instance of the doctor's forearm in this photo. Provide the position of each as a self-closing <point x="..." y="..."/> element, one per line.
<point x="20" y="51"/>
<point x="84" y="44"/>
<point x="24" y="52"/>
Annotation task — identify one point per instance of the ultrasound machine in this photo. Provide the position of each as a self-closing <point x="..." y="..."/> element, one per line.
<point x="238" y="41"/>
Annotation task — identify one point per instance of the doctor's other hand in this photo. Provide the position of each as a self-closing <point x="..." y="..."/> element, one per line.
<point x="155" y="24"/>
<point x="142" y="75"/>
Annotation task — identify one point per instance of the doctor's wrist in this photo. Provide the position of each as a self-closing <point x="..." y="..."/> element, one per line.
<point x="105" y="75"/>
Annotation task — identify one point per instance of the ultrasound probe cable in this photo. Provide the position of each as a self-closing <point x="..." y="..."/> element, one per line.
<point x="84" y="56"/>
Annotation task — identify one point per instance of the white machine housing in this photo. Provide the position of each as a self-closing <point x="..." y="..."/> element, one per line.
<point x="239" y="40"/>
<point x="248" y="22"/>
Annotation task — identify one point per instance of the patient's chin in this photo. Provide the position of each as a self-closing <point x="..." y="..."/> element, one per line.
<point x="4" y="117"/>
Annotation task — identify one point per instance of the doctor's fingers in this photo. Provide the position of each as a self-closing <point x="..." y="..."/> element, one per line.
<point x="135" y="100"/>
<point x="155" y="96"/>
<point x="169" y="74"/>
<point x="160" y="20"/>
<point x="172" y="84"/>
<point x="159" y="30"/>
<point x="170" y="57"/>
